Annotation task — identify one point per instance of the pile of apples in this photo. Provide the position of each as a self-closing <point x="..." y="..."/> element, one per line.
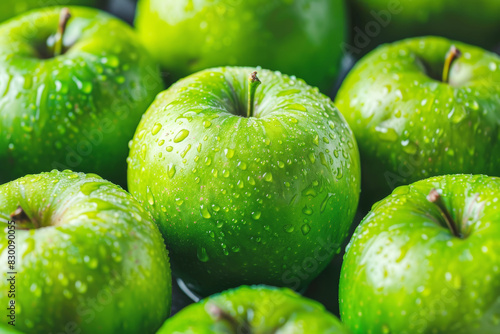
<point x="201" y="149"/>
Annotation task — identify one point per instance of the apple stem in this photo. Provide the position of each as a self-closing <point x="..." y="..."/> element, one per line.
<point x="435" y="197"/>
<point x="253" y="83"/>
<point x="19" y="216"/>
<point x="452" y="55"/>
<point x="221" y="315"/>
<point x="63" y="21"/>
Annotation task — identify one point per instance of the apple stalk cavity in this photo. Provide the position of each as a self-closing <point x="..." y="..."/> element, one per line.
<point x="22" y="220"/>
<point x="451" y="56"/>
<point x="435" y="197"/>
<point x="253" y="83"/>
<point x="63" y="22"/>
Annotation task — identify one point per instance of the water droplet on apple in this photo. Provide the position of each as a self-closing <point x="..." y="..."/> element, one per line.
<point x="322" y="158"/>
<point x="204" y="212"/>
<point x="312" y="158"/>
<point x="409" y="146"/>
<point x="296" y="106"/>
<point x="90" y="187"/>
<point x="181" y="135"/>
<point x="386" y="134"/>
<point x="171" y="170"/>
<point x="288" y="228"/>
<point x="268" y="176"/>
<point x="242" y="165"/>
<point x="456" y="115"/>
<point x="156" y="128"/>
<point x="306" y="228"/>
<point x="307" y="210"/>
<point x="251" y="181"/>
<point x="229" y="152"/>
<point x="149" y="196"/>
<point x="339" y="173"/>
<point x="256" y="215"/>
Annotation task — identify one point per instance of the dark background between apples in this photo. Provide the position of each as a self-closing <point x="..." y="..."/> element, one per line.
<point x="323" y="288"/>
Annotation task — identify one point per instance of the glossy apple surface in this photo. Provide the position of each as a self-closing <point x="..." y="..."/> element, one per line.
<point x="406" y="272"/>
<point x="382" y="21"/>
<point x="246" y="200"/>
<point x="297" y="37"/>
<point x="77" y="110"/>
<point x="11" y="8"/>
<point x="89" y="259"/>
<point x="410" y="125"/>
<point x="256" y="309"/>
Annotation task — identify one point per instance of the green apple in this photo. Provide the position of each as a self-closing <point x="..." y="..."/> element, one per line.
<point x="425" y="260"/>
<point x="256" y="309"/>
<point x="297" y="37"/>
<point x="11" y="8"/>
<point x="419" y="111"/>
<point x="248" y="184"/>
<point x="381" y="21"/>
<point x="80" y="255"/>
<point x="8" y="329"/>
<point x="71" y="98"/>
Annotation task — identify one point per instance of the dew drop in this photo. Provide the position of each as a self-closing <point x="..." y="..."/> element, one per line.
<point x="409" y="147"/>
<point x="202" y="255"/>
<point x="456" y="115"/>
<point x="386" y="134"/>
<point x="90" y="187"/>
<point x="268" y="176"/>
<point x="156" y="128"/>
<point x="181" y="135"/>
<point x="149" y="196"/>
<point x="307" y="210"/>
<point x="229" y="152"/>
<point x="171" y="170"/>
<point x="204" y="212"/>
<point x="305" y="229"/>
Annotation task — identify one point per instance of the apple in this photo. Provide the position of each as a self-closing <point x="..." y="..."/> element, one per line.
<point x="297" y="37"/>
<point x="382" y="21"/>
<point x="418" y="110"/>
<point x="248" y="184"/>
<point x="80" y="255"/>
<point x="9" y="8"/>
<point x="255" y="309"/>
<point x="424" y="260"/>
<point x="7" y="329"/>
<point x="71" y="92"/>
